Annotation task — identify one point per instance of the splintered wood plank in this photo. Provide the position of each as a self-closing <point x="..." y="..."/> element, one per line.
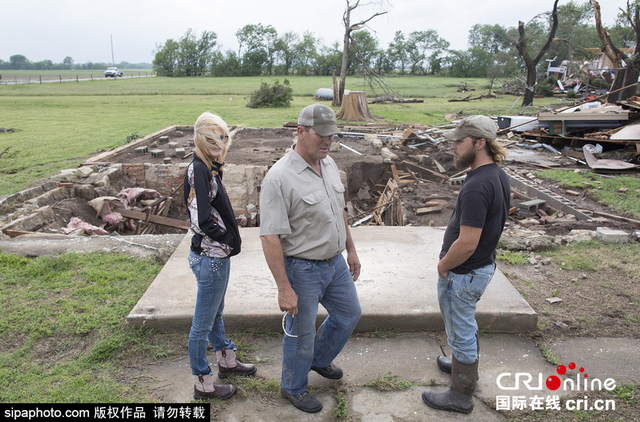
<point x="155" y="219"/>
<point x="428" y="210"/>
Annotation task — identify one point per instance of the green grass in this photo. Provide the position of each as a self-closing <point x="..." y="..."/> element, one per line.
<point x="549" y="355"/>
<point x="60" y="125"/>
<point x="267" y="388"/>
<point x="62" y="320"/>
<point x="388" y="382"/>
<point x="602" y="189"/>
<point x="598" y="256"/>
<point x="384" y="333"/>
<point x="629" y="393"/>
<point x="512" y="258"/>
<point x="340" y="411"/>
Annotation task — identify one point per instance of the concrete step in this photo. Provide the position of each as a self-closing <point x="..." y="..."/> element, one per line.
<point x="397" y="288"/>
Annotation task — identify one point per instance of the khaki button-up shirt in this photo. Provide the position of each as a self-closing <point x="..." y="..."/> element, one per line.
<point x="304" y="208"/>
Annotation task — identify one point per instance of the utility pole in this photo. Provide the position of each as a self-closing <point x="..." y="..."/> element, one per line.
<point x="113" y="63"/>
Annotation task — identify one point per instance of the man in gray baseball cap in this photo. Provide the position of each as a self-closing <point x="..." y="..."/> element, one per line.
<point x="321" y="118"/>
<point x="467" y="257"/>
<point x="304" y="230"/>
<point x="475" y="127"/>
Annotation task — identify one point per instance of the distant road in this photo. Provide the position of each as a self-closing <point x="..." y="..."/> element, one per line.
<point x="37" y="80"/>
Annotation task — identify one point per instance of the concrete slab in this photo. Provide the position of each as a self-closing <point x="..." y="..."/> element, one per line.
<point x="602" y="358"/>
<point x="397" y="288"/>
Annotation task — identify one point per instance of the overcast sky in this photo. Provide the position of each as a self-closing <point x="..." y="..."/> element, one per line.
<point x="54" y="29"/>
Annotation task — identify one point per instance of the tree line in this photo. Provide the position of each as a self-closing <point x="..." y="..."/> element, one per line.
<point x="21" y="62"/>
<point x="492" y="49"/>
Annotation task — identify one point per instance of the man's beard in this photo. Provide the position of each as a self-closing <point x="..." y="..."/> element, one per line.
<point x="464" y="161"/>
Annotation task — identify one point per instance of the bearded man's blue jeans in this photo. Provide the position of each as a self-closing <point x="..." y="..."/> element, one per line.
<point x="458" y="295"/>
<point x="331" y="285"/>
<point x="212" y="276"/>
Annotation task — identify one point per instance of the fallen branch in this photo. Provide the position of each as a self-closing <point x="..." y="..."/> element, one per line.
<point x="5" y="150"/>
<point x="469" y="98"/>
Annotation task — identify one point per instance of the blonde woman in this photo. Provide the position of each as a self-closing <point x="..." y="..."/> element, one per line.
<point x="215" y="240"/>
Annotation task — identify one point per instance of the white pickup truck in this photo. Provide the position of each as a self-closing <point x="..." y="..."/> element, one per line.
<point x="112" y="72"/>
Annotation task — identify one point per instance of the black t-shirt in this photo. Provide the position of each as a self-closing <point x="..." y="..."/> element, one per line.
<point x="483" y="202"/>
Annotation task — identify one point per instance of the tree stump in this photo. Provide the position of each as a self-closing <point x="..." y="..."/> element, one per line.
<point x="354" y="107"/>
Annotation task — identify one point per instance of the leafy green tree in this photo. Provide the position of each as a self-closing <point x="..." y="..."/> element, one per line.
<point x="204" y="51"/>
<point x="165" y="61"/>
<point x="67" y="62"/>
<point x="286" y="51"/>
<point x="491" y="38"/>
<point x="576" y="33"/>
<point x="419" y="43"/>
<point x="499" y="42"/>
<point x="622" y="33"/>
<point x="194" y="55"/>
<point x="329" y="60"/>
<point x="363" y="50"/>
<point x="381" y="62"/>
<point x="258" y="41"/>
<point x="19" y="62"/>
<point x="43" y="65"/>
<point x="306" y="53"/>
<point x="189" y="56"/>
<point x="225" y="64"/>
<point x="471" y="63"/>
<point x="397" y="51"/>
<point x="270" y="40"/>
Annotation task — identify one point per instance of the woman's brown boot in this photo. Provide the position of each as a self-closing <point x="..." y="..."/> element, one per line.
<point x="228" y="364"/>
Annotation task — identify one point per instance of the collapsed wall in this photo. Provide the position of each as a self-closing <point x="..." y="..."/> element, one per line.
<point x="50" y="206"/>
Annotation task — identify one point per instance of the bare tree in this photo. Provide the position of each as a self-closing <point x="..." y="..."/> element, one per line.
<point x="625" y="76"/>
<point x="348" y="29"/>
<point x="531" y="64"/>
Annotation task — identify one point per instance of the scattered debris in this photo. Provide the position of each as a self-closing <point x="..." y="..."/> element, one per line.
<point x="553" y="300"/>
<point x="602" y="164"/>
<point x="88" y="229"/>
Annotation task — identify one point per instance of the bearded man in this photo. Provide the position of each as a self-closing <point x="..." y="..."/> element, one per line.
<point x="467" y="258"/>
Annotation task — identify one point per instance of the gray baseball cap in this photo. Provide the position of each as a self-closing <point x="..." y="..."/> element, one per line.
<point x="321" y="118"/>
<point x="474" y="126"/>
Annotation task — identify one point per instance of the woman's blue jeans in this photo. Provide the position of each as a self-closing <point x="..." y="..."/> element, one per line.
<point x="212" y="276"/>
<point x="458" y="295"/>
<point x="331" y="285"/>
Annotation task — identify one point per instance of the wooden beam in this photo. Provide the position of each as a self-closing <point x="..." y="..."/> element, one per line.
<point x="155" y="219"/>
<point x="394" y="170"/>
<point x="423" y="170"/>
<point x="427" y="210"/>
<point x="616" y="217"/>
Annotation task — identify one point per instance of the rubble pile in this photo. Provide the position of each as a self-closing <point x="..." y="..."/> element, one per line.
<point x="395" y="176"/>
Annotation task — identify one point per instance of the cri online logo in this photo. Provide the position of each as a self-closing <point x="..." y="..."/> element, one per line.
<point x="553" y="382"/>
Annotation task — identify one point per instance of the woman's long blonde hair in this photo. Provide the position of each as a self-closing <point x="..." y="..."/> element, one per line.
<point x="206" y="127"/>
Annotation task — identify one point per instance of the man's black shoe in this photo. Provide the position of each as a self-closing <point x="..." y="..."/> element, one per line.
<point x="333" y="372"/>
<point x="305" y="401"/>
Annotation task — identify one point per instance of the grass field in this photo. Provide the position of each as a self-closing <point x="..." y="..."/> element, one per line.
<point x="58" y="125"/>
